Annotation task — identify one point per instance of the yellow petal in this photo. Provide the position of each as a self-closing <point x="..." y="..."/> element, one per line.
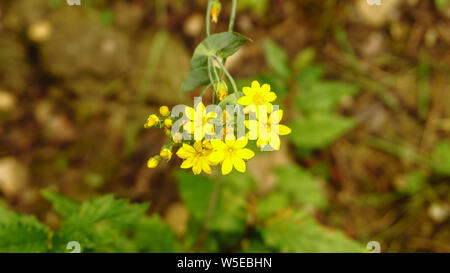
<point x="283" y="130"/>
<point x="227" y="166"/>
<point x="187" y="163"/>
<point x="248" y="91"/>
<point x="189" y="111"/>
<point x="265" y="88"/>
<point x="270" y="96"/>
<point x="239" y="164"/>
<point x="198" y="146"/>
<point x="245" y="100"/>
<point x="241" y="143"/>
<point x="276" y="116"/>
<point x="245" y="153"/>
<point x="256" y="85"/>
<point x="197" y="168"/>
<point x="205" y="166"/>
<point x="216" y="157"/>
<point x="218" y="144"/>
<point x="275" y="142"/>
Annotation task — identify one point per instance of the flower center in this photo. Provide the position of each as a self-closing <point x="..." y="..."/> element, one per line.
<point x="258" y="98"/>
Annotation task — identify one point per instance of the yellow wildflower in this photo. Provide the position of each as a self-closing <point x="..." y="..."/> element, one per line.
<point x="199" y="121"/>
<point x="195" y="157"/>
<point x="231" y="153"/>
<point x="264" y="130"/>
<point x="177" y="137"/>
<point x="164" y="110"/>
<point x="166" y="154"/>
<point x="257" y="95"/>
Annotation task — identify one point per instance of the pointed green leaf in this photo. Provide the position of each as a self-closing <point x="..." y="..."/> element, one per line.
<point x="197" y="78"/>
<point x="222" y="45"/>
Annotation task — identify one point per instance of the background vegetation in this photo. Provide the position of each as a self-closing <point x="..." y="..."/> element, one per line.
<point x="366" y="92"/>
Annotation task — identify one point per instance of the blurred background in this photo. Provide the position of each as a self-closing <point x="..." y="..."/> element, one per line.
<point x="366" y="91"/>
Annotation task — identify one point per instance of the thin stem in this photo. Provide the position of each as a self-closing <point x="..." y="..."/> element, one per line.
<point x="208" y="18"/>
<point x="233" y="83"/>
<point x="233" y="15"/>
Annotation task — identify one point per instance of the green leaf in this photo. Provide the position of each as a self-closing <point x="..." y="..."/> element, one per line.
<point x="197" y="78"/>
<point x="96" y="215"/>
<point x="411" y="183"/>
<point x="231" y="99"/>
<point x="440" y="158"/>
<point x="276" y="58"/>
<point x="296" y="182"/>
<point x="304" y="59"/>
<point x="298" y="232"/>
<point x="324" y="96"/>
<point x="309" y="76"/>
<point x="64" y="206"/>
<point x="222" y="45"/>
<point x="195" y="192"/>
<point x="319" y="130"/>
<point x="271" y="204"/>
<point x="277" y="84"/>
<point x="153" y="235"/>
<point x="22" y="233"/>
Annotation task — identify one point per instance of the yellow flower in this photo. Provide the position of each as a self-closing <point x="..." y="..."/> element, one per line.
<point x="168" y="122"/>
<point x="166" y="154"/>
<point x="265" y="132"/>
<point x="152" y="121"/>
<point x="153" y="162"/>
<point x="164" y="110"/>
<point x="231" y="153"/>
<point x="199" y="121"/>
<point x="195" y="157"/>
<point x="257" y="95"/>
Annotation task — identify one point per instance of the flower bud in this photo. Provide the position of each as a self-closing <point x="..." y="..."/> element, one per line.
<point x="164" y="111"/>
<point x="153" y="162"/>
<point x="216" y="7"/>
<point x="166" y="154"/>
<point x="152" y="121"/>
<point x="168" y="122"/>
<point x="177" y="137"/>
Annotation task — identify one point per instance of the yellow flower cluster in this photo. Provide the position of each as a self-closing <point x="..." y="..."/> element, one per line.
<point x="231" y="153"/>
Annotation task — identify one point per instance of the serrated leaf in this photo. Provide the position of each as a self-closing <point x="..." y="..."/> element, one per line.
<point x="440" y="158"/>
<point x="276" y="58"/>
<point x="197" y="78"/>
<point x="298" y="232"/>
<point x="62" y="205"/>
<point x="22" y="233"/>
<point x="222" y="45"/>
<point x="153" y="235"/>
<point x="319" y="130"/>
<point x="324" y="96"/>
<point x="300" y="185"/>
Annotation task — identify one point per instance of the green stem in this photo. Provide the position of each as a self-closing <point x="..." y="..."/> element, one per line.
<point x="208" y="18"/>
<point x="206" y="89"/>
<point x="233" y="15"/>
<point x="233" y="83"/>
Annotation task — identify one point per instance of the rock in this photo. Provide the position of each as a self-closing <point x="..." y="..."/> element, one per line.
<point x="377" y="15"/>
<point x="13" y="177"/>
<point x="40" y="31"/>
<point x="7" y="101"/>
<point x="194" y="25"/>
<point x="177" y="217"/>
